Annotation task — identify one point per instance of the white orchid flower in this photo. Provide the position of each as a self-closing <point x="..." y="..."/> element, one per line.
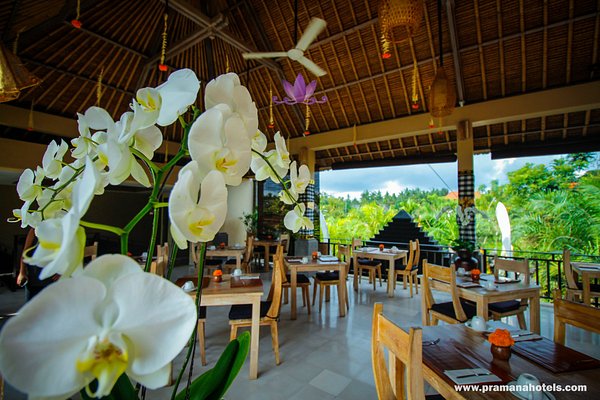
<point x="217" y="143"/>
<point x="52" y="160"/>
<point x="95" y="118"/>
<point x="227" y="89"/>
<point x="271" y="168"/>
<point x="62" y="240"/>
<point x="288" y="196"/>
<point x="282" y="151"/>
<point x="146" y="139"/>
<point x="295" y="220"/>
<point x="299" y="178"/>
<point x="193" y="219"/>
<point x="259" y="142"/>
<point x="121" y="163"/>
<point x="111" y="318"/>
<point x="29" y="185"/>
<point x="28" y="219"/>
<point x="177" y="94"/>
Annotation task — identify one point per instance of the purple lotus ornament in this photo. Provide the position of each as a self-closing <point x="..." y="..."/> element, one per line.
<point x="300" y="93"/>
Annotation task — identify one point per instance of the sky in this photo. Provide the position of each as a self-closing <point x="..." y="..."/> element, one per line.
<point x="352" y="182"/>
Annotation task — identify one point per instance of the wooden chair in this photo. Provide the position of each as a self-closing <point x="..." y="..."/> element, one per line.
<point x="574" y="287"/>
<point x="159" y="267"/>
<point x="247" y="260"/>
<point x="240" y="315"/>
<point x="91" y="252"/>
<point x="405" y="373"/>
<point x="409" y="271"/>
<point x="579" y="315"/>
<point x="511" y="307"/>
<point x="372" y="266"/>
<point x="452" y="312"/>
<point x="331" y="278"/>
<point x="210" y="265"/>
<point x="302" y="282"/>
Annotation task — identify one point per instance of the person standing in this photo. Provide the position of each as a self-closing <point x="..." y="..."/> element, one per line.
<point x="29" y="274"/>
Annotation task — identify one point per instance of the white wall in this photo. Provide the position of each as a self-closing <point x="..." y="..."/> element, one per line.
<point x="239" y="202"/>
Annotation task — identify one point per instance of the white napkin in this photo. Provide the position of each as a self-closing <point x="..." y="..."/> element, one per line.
<point x="471" y="376"/>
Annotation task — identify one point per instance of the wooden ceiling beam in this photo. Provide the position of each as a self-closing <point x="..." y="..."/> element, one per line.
<point x="108" y="40"/>
<point x="574" y="98"/>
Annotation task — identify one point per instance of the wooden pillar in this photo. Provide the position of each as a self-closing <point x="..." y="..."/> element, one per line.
<point x="466" y="182"/>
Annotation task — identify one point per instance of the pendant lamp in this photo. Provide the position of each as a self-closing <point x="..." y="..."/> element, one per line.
<point x="442" y="95"/>
<point x="398" y="13"/>
<point x="14" y="77"/>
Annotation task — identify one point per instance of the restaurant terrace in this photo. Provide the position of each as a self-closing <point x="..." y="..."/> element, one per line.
<point x="209" y="179"/>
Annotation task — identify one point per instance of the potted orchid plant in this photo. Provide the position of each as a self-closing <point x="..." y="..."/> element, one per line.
<point x="101" y="327"/>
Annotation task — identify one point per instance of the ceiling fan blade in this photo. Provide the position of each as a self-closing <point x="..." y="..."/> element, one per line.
<point x="314" y="28"/>
<point x="311" y="66"/>
<point x="250" y="56"/>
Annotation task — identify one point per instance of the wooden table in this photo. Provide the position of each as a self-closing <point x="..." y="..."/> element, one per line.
<point x="460" y="347"/>
<point x="504" y="291"/>
<point x="386" y="255"/>
<point x="316" y="265"/>
<point x="588" y="271"/>
<point x="266" y="243"/>
<point x="221" y="294"/>
<point x="237" y="252"/>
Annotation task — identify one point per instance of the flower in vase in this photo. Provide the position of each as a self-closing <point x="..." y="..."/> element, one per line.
<point x="95" y="326"/>
<point x="501" y="338"/>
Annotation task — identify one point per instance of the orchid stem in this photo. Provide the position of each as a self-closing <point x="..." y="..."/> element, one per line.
<point x="103" y="227"/>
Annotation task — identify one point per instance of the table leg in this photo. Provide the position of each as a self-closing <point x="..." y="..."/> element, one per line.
<point x="254" y="332"/>
<point x="293" y="283"/>
<point x="267" y="256"/>
<point x="343" y="297"/>
<point x="586" y="288"/>
<point x="355" y="280"/>
<point x="391" y="275"/>
<point x="482" y="308"/>
<point x="534" y="313"/>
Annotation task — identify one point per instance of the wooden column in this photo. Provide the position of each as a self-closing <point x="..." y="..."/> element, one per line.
<point x="466" y="182"/>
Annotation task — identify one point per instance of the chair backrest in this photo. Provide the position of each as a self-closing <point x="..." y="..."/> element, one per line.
<point x="576" y="314"/>
<point x="91" y="251"/>
<point x="406" y="348"/>
<point x="249" y="249"/>
<point x="284" y="239"/>
<point x="343" y="254"/>
<point x="413" y="253"/>
<point x="519" y="266"/>
<point x="417" y="259"/>
<point x="571" y="282"/>
<point x="356" y="243"/>
<point x="446" y="282"/>
<point x="276" y="288"/>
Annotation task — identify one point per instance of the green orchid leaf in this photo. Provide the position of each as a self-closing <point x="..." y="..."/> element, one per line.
<point x="242" y="353"/>
<point x="213" y="384"/>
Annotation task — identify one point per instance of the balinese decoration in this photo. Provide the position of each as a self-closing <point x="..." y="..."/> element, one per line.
<point x="442" y="95"/>
<point x="76" y="22"/>
<point x="398" y="13"/>
<point x="99" y="87"/>
<point x="415" y="92"/>
<point x="271" y="124"/>
<point x="300" y="93"/>
<point x="14" y="77"/>
<point x="163" y="50"/>
<point x="30" y="118"/>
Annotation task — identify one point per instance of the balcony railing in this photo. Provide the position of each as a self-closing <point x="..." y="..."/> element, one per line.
<point x="547" y="267"/>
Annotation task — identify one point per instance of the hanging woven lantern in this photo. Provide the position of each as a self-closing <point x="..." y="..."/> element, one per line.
<point x="398" y="13"/>
<point x="442" y="96"/>
<point x="14" y="77"/>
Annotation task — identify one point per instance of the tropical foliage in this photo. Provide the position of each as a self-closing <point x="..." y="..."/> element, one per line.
<point x="550" y="207"/>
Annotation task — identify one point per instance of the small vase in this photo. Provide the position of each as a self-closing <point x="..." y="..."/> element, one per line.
<point x="475" y="277"/>
<point x="501" y="352"/>
<point x="218" y="278"/>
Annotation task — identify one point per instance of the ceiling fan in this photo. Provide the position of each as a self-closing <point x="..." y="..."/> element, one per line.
<point x="314" y="28"/>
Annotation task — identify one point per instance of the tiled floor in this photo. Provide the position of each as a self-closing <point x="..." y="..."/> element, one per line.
<point x="322" y="356"/>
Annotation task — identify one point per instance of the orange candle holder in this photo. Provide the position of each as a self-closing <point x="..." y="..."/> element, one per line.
<point x="475" y="275"/>
<point x="315" y="255"/>
<point x="222" y="245"/>
<point x="218" y="275"/>
<point x="381" y="247"/>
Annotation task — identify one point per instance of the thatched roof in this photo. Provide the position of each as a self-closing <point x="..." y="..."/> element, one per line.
<point x="496" y="54"/>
